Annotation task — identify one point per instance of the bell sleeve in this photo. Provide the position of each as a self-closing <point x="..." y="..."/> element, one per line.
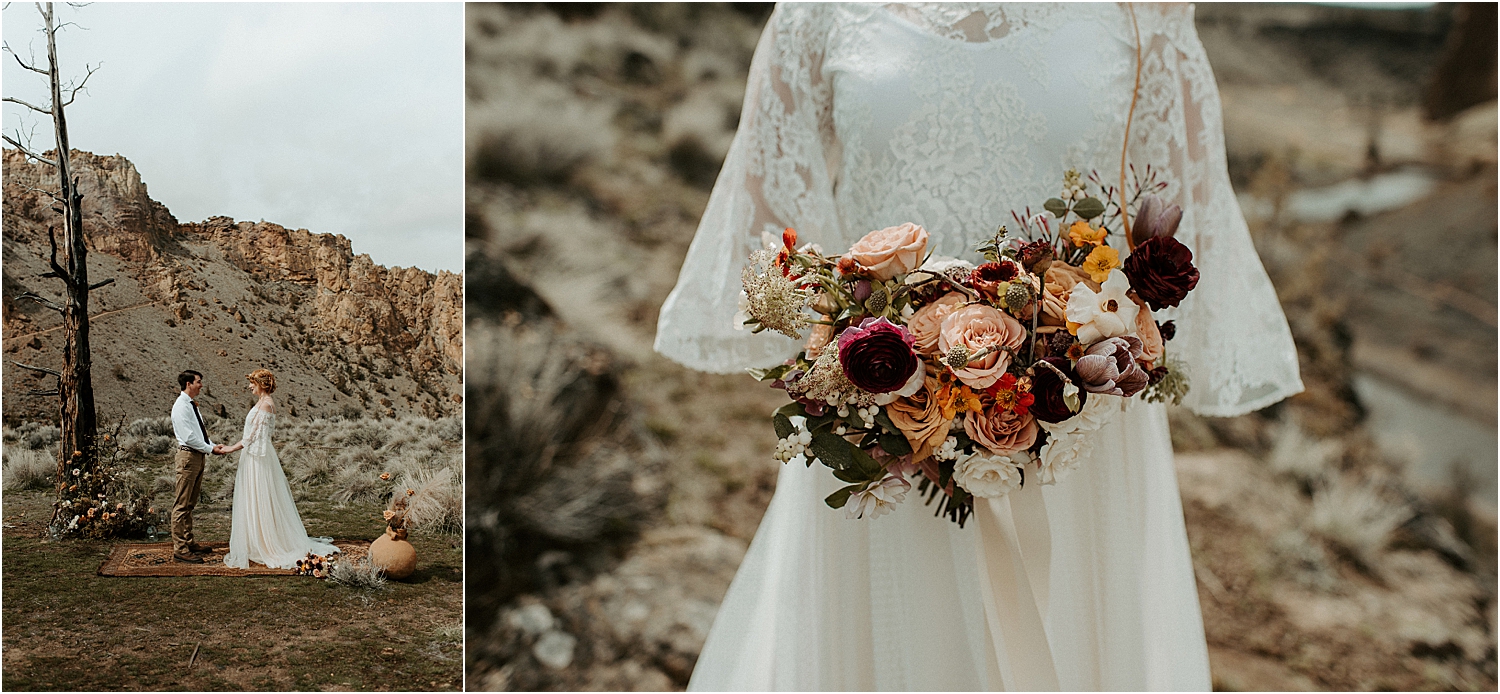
<point x="777" y="174"/>
<point x="1232" y="337"/>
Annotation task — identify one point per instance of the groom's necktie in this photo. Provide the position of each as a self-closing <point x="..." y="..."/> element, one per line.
<point x="200" y="420"/>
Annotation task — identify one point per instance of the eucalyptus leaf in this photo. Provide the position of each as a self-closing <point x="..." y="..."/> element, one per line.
<point x="849" y="476"/>
<point x="792" y="409"/>
<point x="865" y="464"/>
<point x="1055" y="206"/>
<point x="833" y="450"/>
<point x="772" y="373"/>
<point x="884" y="420"/>
<point x="895" y="444"/>
<point x="1088" y="208"/>
<point x="783" y="425"/>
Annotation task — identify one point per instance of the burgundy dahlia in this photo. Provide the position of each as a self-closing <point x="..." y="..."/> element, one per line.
<point x="988" y="277"/>
<point x="877" y="356"/>
<point x="1161" y="271"/>
<point x="1168" y="330"/>
<point x="1047" y="388"/>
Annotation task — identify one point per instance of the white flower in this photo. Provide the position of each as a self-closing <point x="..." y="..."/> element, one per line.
<point x="1097" y="412"/>
<point x="990" y="476"/>
<point x="1071" y="439"/>
<point x="1061" y="454"/>
<point x="1107" y="313"/>
<point x="878" y="499"/>
<point x="743" y="314"/>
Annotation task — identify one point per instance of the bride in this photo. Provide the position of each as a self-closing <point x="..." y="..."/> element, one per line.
<point x="864" y="116"/>
<point x="266" y="527"/>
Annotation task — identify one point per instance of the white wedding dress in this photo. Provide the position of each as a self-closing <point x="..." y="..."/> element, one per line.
<point x="861" y="116"/>
<point x="265" y="526"/>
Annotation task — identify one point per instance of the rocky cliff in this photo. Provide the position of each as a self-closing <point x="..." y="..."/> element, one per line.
<point x="343" y="334"/>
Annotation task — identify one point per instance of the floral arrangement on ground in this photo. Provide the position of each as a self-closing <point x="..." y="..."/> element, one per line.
<point x="965" y="378"/>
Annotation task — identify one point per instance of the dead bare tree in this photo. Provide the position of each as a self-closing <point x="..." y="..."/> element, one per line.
<point x="75" y="386"/>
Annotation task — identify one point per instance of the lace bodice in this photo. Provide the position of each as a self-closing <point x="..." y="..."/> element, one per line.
<point x="862" y="116"/>
<point x="259" y="425"/>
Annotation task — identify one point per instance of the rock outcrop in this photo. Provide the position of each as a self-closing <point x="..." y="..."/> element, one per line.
<point x="343" y="334"/>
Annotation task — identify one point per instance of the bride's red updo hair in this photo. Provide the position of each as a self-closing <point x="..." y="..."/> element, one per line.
<point x="263" y="378"/>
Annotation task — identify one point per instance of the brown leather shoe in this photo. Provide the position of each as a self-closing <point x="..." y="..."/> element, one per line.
<point x="187" y="558"/>
<point x="196" y="548"/>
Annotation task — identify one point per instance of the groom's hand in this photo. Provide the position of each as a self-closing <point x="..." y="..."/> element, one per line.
<point x="218" y="449"/>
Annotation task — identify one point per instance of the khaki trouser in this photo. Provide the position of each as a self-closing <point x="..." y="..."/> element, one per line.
<point x="189" y="482"/>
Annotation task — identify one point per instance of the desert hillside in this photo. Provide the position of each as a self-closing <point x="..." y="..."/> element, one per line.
<point x="345" y="336"/>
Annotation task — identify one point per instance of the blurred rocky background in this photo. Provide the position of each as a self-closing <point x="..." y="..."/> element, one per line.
<point x="1344" y="539"/>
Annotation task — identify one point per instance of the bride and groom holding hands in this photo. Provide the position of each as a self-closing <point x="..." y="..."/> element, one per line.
<point x="265" y="526"/>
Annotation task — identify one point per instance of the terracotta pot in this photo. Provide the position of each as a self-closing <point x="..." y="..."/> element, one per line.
<point x="395" y="556"/>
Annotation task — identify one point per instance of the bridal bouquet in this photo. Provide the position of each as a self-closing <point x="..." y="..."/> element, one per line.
<point x="963" y="377"/>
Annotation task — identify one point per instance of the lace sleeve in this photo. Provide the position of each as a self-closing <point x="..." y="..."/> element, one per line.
<point x="777" y="174"/>
<point x="1231" y="333"/>
<point x="257" y="434"/>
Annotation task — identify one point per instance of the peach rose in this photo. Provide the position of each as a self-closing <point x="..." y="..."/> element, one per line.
<point x="920" y="418"/>
<point x="891" y="251"/>
<point x="1145" y="329"/>
<point x="1060" y="280"/>
<point x="1001" y="430"/>
<point x="928" y="321"/>
<point x="977" y="327"/>
<point x="819" y="338"/>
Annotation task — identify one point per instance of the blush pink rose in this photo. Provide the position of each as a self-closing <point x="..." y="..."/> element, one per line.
<point x="977" y="327"/>
<point x="891" y="251"/>
<point x="928" y="321"/>
<point x="1001" y="430"/>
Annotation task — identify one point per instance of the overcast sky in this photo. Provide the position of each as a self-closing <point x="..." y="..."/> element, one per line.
<point x="336" y="118"/>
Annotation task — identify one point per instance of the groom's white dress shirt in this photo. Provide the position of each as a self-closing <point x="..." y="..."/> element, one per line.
<point x="188" y="426"/>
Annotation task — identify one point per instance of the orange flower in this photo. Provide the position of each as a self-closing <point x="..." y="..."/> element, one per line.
<point x="956" y="398"/>
<point x="385" y="476"/>
<point x="1081" y="234"/>
<point x="1010" y="395"/>
<point x="1100" y="261"/>
<point x="410" y="492"/>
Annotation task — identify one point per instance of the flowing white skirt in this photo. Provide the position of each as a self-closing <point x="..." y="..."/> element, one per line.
<point x="899" y="603"/>
<point x="265" y="526"/>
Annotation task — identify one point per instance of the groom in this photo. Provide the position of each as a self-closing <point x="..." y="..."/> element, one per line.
<point x="192" y="446"/>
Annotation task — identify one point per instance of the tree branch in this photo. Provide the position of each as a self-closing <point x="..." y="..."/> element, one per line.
<point x="97" y="285"/>
<point x="43" y="191"/>
<point x="22" y="63"/>
<point x="28" y="152"/>
<point x="38" y="109"/>
<point x="41" y="300"/>
<point x="57" y="270"/>
<point x="73" y="91"/>
<point x="39" y="369"/>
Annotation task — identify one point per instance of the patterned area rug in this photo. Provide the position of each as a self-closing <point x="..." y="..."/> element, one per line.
<point x="155" y="559"/>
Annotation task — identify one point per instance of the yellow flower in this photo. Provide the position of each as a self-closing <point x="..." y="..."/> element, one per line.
<point x="1084" y="235"/>
<point x="1100" y="261"/>
<point x="389" y="514"/>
